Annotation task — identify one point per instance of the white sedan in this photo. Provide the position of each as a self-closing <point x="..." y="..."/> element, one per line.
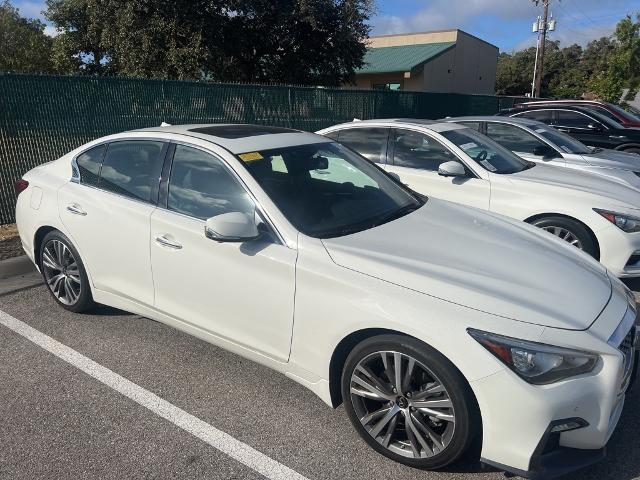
<point x="540" y="143"/>
<point x="431" y="321"/>
<point x="594" y="213"/>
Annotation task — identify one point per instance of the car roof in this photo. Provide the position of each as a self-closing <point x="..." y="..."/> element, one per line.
<point x="241" y="138"/>
<point x="434" y="125"/>
<point x="559" y="106"/>
<point x="527" y="122"/>
<point x="561" y="102"/>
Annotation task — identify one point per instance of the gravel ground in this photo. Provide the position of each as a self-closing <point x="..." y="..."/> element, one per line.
<point x="9" y="242"/>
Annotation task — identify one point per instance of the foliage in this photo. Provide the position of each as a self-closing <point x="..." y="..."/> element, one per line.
<point x="604" y="67"/>
<point x="287" y="41"/>
<point x="24" y="47"/>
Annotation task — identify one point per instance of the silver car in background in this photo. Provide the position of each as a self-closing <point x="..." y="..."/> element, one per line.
<point x="540" y="143"/>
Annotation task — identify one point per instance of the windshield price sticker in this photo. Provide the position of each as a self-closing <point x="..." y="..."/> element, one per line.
<point x="540" y="130"/>
<point x="468" y="146"/>
<point x="250" y="156"/>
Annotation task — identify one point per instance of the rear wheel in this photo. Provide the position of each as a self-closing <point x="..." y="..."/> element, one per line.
<point x="408" y="402"/>
<point x="64" y="273"/>
<point x="570" y="231"/>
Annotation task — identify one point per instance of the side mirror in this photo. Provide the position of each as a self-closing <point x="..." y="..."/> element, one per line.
<point x="395" y="176"/>
<point x="545" y="151"/>
<point x="232" y="227"/>
<point x="451" y="169"/>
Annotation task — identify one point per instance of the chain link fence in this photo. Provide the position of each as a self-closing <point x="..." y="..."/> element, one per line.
<point x="43" y="117"/>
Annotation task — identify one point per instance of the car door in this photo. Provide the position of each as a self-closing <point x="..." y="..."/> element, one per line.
<point x="523" y="143"/>
<point x="106" y="211"/>
<point x="588" y="130"/>
<point x="242" y="292"/>
<point x="415" y="157"/>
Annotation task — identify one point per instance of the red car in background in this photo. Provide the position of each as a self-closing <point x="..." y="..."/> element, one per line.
<point x="614" y="112"/>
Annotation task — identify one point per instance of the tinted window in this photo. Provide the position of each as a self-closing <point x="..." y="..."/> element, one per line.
<point x="602" y="111"/>
<point x="132" y="168"/>
<point x="565" y="142"/>
<point x="416" y="150"/>
<point x="325" y="190"/>
<point x="543" y="116"/>
<point x="371" y="143"/>
<point x="571" y="119"/>
<point x="201" y="186"/>
<point x="513" y="138"/>
<point x="487" y="153"/>
<point x="89" y="164"/>
<point x="474" y="125"/>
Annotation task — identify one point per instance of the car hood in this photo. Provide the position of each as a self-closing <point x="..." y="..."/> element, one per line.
<point x="573" y="181"/>
<point x="613" y="159"/>
<point x="482" y="261"/>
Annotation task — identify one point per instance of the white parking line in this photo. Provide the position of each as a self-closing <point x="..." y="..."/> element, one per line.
<point x="219" y="440"/>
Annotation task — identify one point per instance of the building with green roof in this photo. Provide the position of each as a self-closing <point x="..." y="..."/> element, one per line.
<point x="448" y="61"/>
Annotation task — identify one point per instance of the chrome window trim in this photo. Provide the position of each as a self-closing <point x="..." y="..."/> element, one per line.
<point x="259" y="207"/>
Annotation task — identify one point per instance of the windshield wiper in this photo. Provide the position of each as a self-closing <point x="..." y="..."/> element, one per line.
<point x="401" y="212"/>
<point x="374" y="222"/>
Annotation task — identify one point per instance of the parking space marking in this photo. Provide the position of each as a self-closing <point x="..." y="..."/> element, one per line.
<point x="218" y="439"/>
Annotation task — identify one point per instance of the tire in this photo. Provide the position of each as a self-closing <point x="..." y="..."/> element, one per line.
<point x="571" y="231"/>
<point x="632" y="150"/>
<point x="433" y="379"/>
<point x="64" y="273"/>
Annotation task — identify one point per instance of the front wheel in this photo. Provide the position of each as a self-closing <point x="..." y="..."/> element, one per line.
<point x="408" y="402"/>
<point x="570" y="231"/>
<point x="64" y="273"/>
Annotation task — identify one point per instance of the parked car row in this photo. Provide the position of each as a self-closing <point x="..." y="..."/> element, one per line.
<point x="400" y="267"/>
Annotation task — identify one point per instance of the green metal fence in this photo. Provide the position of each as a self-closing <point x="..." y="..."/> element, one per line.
<point x="43" y="117"/>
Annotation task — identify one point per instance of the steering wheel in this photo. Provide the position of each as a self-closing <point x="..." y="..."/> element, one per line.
<point x="481" y="156"/>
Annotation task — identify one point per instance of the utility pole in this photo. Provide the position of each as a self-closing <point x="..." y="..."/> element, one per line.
<point x="541" y="27"/>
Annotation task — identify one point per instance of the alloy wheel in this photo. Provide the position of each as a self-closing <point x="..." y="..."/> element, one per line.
<point x="61" y="272"/>
<point x="565" y="235"/>
<point x="402" y="404"/>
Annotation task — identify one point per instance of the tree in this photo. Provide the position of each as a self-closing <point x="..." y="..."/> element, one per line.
<point x="287" y="41"/>
<point x="623" y="66"/>
<point x="24" y="47"/>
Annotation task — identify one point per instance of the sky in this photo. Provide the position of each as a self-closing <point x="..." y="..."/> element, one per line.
<point x="505" y="23"/>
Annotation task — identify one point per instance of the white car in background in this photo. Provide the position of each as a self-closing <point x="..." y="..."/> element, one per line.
<point x="540" y="143"/>
<point x="431" y="321"/>
<point x="457" y="163"/>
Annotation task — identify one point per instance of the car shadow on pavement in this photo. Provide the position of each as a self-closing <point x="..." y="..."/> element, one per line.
<point x="105" y="311"/>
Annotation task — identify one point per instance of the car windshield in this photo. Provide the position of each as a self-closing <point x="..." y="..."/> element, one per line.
<point x="487" y="153"/>
<point x="561" y="140"/>
<point x="325" y="190"/>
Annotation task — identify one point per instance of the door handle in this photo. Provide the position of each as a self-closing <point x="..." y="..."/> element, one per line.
<point x="617" y="137"/>
<point x="76" y="209"/>
<point x="165" y="242"/>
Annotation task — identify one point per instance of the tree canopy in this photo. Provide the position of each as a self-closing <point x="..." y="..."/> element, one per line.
<point x="285" y="41"/>
<point x="605" y="67"/>
<point x="24" y="47"/>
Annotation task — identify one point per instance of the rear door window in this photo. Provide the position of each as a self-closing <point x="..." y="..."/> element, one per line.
<point x="132" y="168"/>
<point x="567" y="118"/>
<point x="89" y="164"/>
<point x="371" y="143"/>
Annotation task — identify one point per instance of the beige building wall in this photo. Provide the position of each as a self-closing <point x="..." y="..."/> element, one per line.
<point x="468" y="67"/>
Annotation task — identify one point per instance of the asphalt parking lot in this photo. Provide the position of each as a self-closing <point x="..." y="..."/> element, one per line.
<point x="61" y="422"/>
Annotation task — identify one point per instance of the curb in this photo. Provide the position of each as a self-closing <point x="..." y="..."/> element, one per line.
<point x="15" y="266"/>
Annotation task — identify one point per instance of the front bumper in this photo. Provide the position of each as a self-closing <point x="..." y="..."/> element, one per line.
<point x="619" y="251"/>
<point x="518" y="434"/>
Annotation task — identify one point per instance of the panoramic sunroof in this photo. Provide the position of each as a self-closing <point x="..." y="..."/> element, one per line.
<point x="240" y="131"/>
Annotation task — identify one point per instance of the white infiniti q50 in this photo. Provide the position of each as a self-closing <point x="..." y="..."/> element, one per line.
<point x="432" y="322"/>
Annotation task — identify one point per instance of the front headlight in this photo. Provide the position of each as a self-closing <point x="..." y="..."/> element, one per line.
<point x="536" y="363"/>
<point x="624" y="222"/>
